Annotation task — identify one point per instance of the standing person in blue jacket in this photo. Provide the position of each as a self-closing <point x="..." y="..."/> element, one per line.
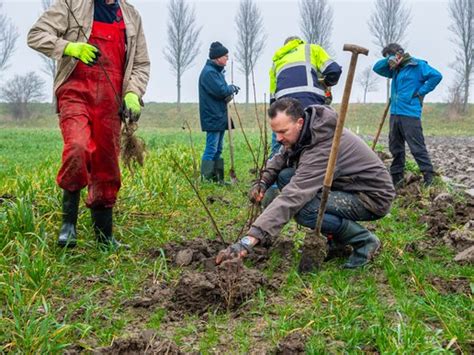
<point x="214" y="95"/>
<point x="412" y="79"/>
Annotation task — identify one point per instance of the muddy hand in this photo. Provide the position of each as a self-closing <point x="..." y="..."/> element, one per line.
<point x="236" y="250"/>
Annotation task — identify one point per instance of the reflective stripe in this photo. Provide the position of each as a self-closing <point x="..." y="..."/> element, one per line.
<point x="309" y="77"/>
<point x="326" y="64"/>
<point x="290" y="65"/>
<point x="297" y="89"/>
<point x="310" y="87"/>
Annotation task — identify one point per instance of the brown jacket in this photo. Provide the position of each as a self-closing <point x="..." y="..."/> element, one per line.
<point x="57" y="27"/>
<point x="358" y="170"/>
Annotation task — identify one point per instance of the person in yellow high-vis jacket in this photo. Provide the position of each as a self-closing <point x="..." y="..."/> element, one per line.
<point x="302" y="71"/>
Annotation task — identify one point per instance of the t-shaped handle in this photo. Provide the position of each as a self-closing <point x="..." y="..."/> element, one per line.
<point x="356" y="49"/>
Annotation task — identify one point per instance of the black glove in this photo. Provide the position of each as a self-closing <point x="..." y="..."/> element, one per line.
<point x="258" y="188"/>
<point x="235" y="89"/>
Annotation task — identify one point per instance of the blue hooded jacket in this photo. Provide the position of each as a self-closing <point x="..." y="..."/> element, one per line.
<point x="415" y="78"/>
<point x="213" y="90"/>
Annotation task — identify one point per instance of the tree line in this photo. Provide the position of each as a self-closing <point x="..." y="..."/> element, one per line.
<point x="388" y="23"/>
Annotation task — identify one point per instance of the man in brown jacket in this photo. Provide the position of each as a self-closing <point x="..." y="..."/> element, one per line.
<point x="362" y="189"/>
<point x="103" y="67"/>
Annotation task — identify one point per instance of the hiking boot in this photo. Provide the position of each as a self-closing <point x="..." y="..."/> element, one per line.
<point x="102" y="223"/>
<point x="398" y="180"/>
<point x="428" y="179"/>
<point x="363" y="243"/>
<point x="208" y="173"/>
<point x="67" y="234"/>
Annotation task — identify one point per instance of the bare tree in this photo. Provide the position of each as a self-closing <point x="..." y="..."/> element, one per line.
<point x="368" y="81"/>
<point x="20" y="91"/>
<point x="462" y="16"/>
<point x="251" y="39"/>
<point x="8" y="37"/>
<point x="388" y="24"/>
<point x="183" y="40"/>
<point x="316" y="22"/>
<point x="49" y="64"/>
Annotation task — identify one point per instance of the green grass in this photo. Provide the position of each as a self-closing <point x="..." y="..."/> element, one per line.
<point x="50" y="298"/>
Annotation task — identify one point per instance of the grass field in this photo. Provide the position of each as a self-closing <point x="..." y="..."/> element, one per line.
<point x="51" y="298"/>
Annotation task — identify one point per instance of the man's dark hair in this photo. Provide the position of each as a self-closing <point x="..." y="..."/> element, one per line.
<point x="289" y="106"/>
<point x="392" y="49"/>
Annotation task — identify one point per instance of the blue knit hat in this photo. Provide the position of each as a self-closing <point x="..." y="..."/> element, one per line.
<point x="217" y="50"/>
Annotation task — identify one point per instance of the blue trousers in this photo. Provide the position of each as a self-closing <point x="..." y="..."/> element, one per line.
<point x="214" y="145"/>
<point x="341" y="205"/>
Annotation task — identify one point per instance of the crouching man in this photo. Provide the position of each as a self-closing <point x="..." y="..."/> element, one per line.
<point x="362" y="189"/>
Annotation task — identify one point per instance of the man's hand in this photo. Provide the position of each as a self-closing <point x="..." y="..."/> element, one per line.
<point x="237" y="250"/>
<point x="257" y="191"/>
<point x="133" y="106"/>
<point x="235" y="89"/>
<point x="86" y="53"/>
<point x="393" y="62"/>
<point x="420" y="98"/>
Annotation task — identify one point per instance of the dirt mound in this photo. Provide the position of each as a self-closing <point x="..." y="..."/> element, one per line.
<point x="460" y="285"/>
<point x="230" y="285"/>
<point x="445" y="212"/>
<point x="293" y="343"/>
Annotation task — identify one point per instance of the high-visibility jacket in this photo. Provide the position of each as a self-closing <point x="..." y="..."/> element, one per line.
<point x="302" y="71"/>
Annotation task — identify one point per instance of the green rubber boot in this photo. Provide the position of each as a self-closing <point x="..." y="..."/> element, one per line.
<point x="363" y="243"/>
<point x="219" y="171"/>
<point x="208" y="173"/>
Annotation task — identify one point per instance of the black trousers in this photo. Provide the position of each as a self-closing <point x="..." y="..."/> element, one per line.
<point x="404" y="128"/>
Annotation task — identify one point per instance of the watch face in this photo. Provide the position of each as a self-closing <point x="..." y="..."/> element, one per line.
<point x="246" y="241"/>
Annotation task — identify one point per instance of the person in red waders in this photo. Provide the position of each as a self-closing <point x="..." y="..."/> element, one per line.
<point x="95" y="74"/>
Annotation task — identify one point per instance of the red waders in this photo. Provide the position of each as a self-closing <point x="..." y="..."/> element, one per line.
<point x="89" y="120"/>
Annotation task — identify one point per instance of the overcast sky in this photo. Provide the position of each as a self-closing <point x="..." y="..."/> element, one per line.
<point x="427" y="38"/>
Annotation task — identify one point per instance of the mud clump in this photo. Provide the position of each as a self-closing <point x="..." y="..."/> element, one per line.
<point x="226" y="288"/>
<point x="458" y="285"/>
<point x="314" y="252"/>
<point x="193" y="253"/>
<point x="293" y="343"/>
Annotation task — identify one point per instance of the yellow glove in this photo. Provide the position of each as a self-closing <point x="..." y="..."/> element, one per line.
<point x="85" y="52"/>
<point x="133" y="106"/>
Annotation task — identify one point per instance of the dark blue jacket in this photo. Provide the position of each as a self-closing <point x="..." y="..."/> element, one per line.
<point x="213" y="90"/>
<point x="415" y="78"/>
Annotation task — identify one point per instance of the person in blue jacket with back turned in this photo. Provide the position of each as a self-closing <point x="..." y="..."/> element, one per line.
<point x="412" y="79"/>
<point x="214" y="95"/>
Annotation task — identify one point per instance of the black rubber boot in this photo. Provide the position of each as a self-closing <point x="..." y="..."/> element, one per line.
<point x="67" y="234"/>
<point x="208" y="173"/>
<point x="397" y="180"/>
<point x="102" y="222"/>
<point x="428" y="179"/>
<point x="219" y="171"/>
<point x="363" y="243"/>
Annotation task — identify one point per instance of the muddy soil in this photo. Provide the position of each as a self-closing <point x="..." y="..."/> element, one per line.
<point x="293" y="343"/>
<point x="145" y="342"/>
<point x="226" y="288"/>
<point x="452" y="157"/>
<point x="459" y="285"/>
